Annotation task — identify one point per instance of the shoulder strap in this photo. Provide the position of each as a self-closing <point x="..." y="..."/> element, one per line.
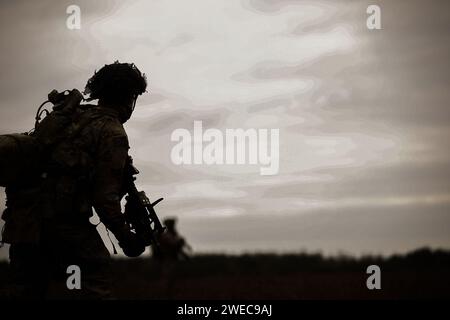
<point x="77" y="127"/>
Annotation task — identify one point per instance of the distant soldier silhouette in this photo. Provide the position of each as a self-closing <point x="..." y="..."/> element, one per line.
<point x="172" y="246"/>
<point x="47" y="217"/>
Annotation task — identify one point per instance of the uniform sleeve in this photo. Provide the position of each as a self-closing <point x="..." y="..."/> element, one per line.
<point x="108" y="176"/>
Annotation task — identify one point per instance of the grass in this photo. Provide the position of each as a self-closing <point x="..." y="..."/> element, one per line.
<point x="422" y="274"/>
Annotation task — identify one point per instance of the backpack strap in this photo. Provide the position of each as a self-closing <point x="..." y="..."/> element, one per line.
<point x="78" y="126"/>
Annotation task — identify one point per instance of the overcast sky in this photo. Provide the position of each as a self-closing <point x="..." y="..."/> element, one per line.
<point x="363" y="114"/>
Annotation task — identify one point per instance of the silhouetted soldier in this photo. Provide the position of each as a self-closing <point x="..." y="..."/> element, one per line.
<point x="172" y="245"/>
<point x="47" y="220"/>
<point x="171" y="249"/>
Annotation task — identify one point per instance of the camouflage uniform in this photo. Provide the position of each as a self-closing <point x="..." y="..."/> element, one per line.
<point x="47" y="222"/>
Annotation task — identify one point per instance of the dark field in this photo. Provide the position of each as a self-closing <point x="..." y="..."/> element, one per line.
<point x="422" y="274"/>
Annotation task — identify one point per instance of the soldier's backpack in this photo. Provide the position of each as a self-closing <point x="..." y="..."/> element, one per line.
<point x="19" y="158"/>
<point x="23" y="155"/>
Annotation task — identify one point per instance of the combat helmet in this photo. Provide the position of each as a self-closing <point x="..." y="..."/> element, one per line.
<point x="117" y="85"/>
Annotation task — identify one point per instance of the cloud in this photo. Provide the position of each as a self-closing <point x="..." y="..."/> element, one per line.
<point x="363" y="115"/>
<point x="373" y="231"/>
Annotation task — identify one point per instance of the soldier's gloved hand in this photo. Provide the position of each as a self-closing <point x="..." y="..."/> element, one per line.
<point x="132" y="245"/>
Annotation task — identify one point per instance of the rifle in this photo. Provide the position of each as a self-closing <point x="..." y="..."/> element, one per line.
<point x="139" y="211"/>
